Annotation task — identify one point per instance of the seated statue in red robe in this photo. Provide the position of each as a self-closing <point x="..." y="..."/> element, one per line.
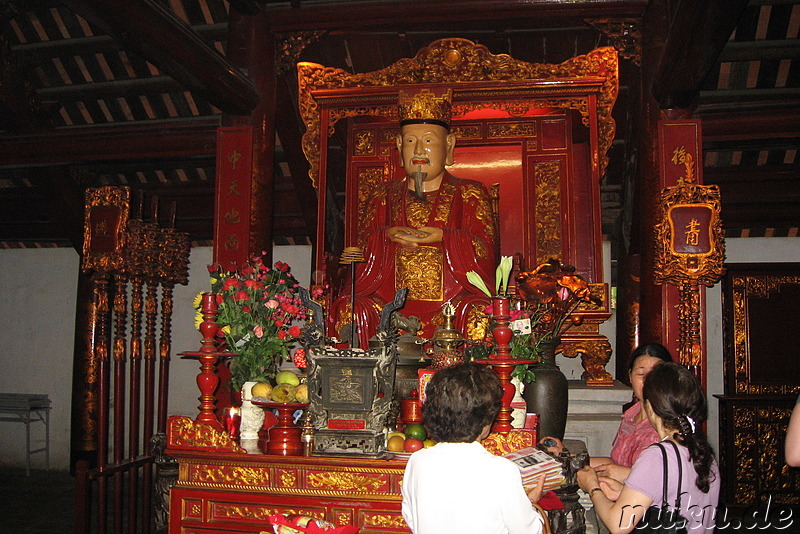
<point x="423" y="232"/>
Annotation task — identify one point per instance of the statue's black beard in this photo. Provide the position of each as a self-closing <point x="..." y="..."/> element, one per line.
<point x="419" y="178"/>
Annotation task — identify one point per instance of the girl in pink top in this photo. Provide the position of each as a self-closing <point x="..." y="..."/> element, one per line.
<point x="635" y="432"/>
<point x="676" y="407"/>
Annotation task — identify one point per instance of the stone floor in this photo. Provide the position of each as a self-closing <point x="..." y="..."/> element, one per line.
<point x="38" y="504"/>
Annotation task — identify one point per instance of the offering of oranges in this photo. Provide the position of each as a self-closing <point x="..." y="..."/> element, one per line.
<point x="413" y="438"/>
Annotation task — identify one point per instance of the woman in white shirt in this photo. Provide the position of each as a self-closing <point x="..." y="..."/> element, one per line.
<point x="457" y="485"/>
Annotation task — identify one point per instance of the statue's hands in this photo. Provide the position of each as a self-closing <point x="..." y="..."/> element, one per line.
<point x="411" y="237"/>
<point x="433" y="234"/>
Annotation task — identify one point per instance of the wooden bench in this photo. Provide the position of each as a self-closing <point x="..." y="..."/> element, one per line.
<point x="28" y="408"/>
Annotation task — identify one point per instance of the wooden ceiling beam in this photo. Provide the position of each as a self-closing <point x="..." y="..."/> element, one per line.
<point x="165" y="40"/>
<point x="751" y="124"/>
<point x="698" y="33"/>
<point x="320" y="15"/>
<point x="157" y="140"/>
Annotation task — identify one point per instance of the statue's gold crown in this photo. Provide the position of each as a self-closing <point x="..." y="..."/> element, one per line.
<point x="425" y="106"/>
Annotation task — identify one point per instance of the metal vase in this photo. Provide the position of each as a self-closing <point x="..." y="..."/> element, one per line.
<point x="548" y="395"/>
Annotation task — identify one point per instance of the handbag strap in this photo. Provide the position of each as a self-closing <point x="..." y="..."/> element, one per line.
<point x="680" y="474"/>
<point x="664" y="485"/>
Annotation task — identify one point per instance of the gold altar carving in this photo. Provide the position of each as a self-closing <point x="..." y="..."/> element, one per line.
<point x="226" y="475"/>
<point x="186" y="432"/>
<point x="548" y="210"/>
<point x="384" y="520"/>
<point x="456" y="61"/>
<point x="758" y="470"/>
<point x="346" y="481"/>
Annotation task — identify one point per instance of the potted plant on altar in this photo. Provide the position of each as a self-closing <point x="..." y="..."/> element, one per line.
<point x="256" y="308"/>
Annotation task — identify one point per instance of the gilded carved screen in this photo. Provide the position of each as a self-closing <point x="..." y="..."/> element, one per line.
<point x="761" y="307"/>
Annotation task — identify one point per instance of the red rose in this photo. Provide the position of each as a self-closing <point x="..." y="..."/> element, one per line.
<point x="283" y="267"/>
<point x="294" y="331"/>
<point x="241" y="295"/>
<point x="212" y="269"/>
<point x="246" y="309"/>
<point x="281" y="334"/>
<point x="250" y="283"/>
<point x="230" y="283"/>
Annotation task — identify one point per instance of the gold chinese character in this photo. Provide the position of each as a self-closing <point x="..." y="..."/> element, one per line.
<point x="232" y="242"/>
<point x="232" y="216"/>
<point x="679" y="156"/>
<point x="234" y="159"/>
<point x="233" y="189"/>
<point x="101" y="229"/>
<point x="693" y="233"/>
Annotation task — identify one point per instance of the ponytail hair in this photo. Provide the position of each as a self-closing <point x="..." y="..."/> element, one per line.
<point x="676" y="397"/>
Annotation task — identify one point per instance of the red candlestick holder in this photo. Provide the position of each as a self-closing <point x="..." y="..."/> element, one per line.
<point x="502" y="361"/>
<point x="207" y="380"/>
<point x="284" y="436"/>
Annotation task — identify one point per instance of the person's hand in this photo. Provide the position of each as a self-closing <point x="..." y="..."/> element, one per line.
<point x="611" y="487"/>
<point x="615" y="471"/>
<point x="587" y="479"/>
<point x="536" y="493"/>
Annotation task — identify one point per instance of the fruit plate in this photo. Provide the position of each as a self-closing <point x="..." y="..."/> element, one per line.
<point x="401" y="455"/>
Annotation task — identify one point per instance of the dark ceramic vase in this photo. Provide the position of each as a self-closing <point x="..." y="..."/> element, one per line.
<point x="548" y="395"/>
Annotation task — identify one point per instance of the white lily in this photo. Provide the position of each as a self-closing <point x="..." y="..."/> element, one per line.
<point x="502" y="274"/>
<point x="476" y="280"/>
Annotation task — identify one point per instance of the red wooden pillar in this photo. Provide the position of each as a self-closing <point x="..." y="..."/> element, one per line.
<point x="245" y="150"/>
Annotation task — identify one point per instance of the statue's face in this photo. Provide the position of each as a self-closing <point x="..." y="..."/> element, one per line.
<point x="428" y="146"/>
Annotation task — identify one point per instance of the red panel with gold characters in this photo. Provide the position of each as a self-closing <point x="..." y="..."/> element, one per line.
<point x="232" y="217"/>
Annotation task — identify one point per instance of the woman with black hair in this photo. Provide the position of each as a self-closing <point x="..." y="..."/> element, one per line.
<point x="635" y="432"/>
<point x="676" y="407"/>
<point x="457" y="485"/>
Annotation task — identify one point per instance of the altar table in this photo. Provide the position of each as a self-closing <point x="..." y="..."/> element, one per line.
<point x="234" y="492"/>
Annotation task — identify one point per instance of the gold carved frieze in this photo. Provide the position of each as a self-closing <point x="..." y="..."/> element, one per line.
<point x="469" y="131"/>
<point x="513" y="129"/>
<point x="346" y="481"/>
<point x="183" y="432"/>
<point x="452" y="62"/>
<point x="364" y="144"/>
<point x="420" y="270"/>
<point x="547" y="175"/>
<point x="382" y="520"/>
<point x="225" y="510"/>
<point x="220" y="475"/>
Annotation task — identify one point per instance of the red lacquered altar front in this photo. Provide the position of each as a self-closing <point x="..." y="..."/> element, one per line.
<point x="221" y="488"/>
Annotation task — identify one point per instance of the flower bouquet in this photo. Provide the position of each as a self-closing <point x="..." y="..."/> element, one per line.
<point x="546" y="300"/>
<point x="256" y="306"/>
